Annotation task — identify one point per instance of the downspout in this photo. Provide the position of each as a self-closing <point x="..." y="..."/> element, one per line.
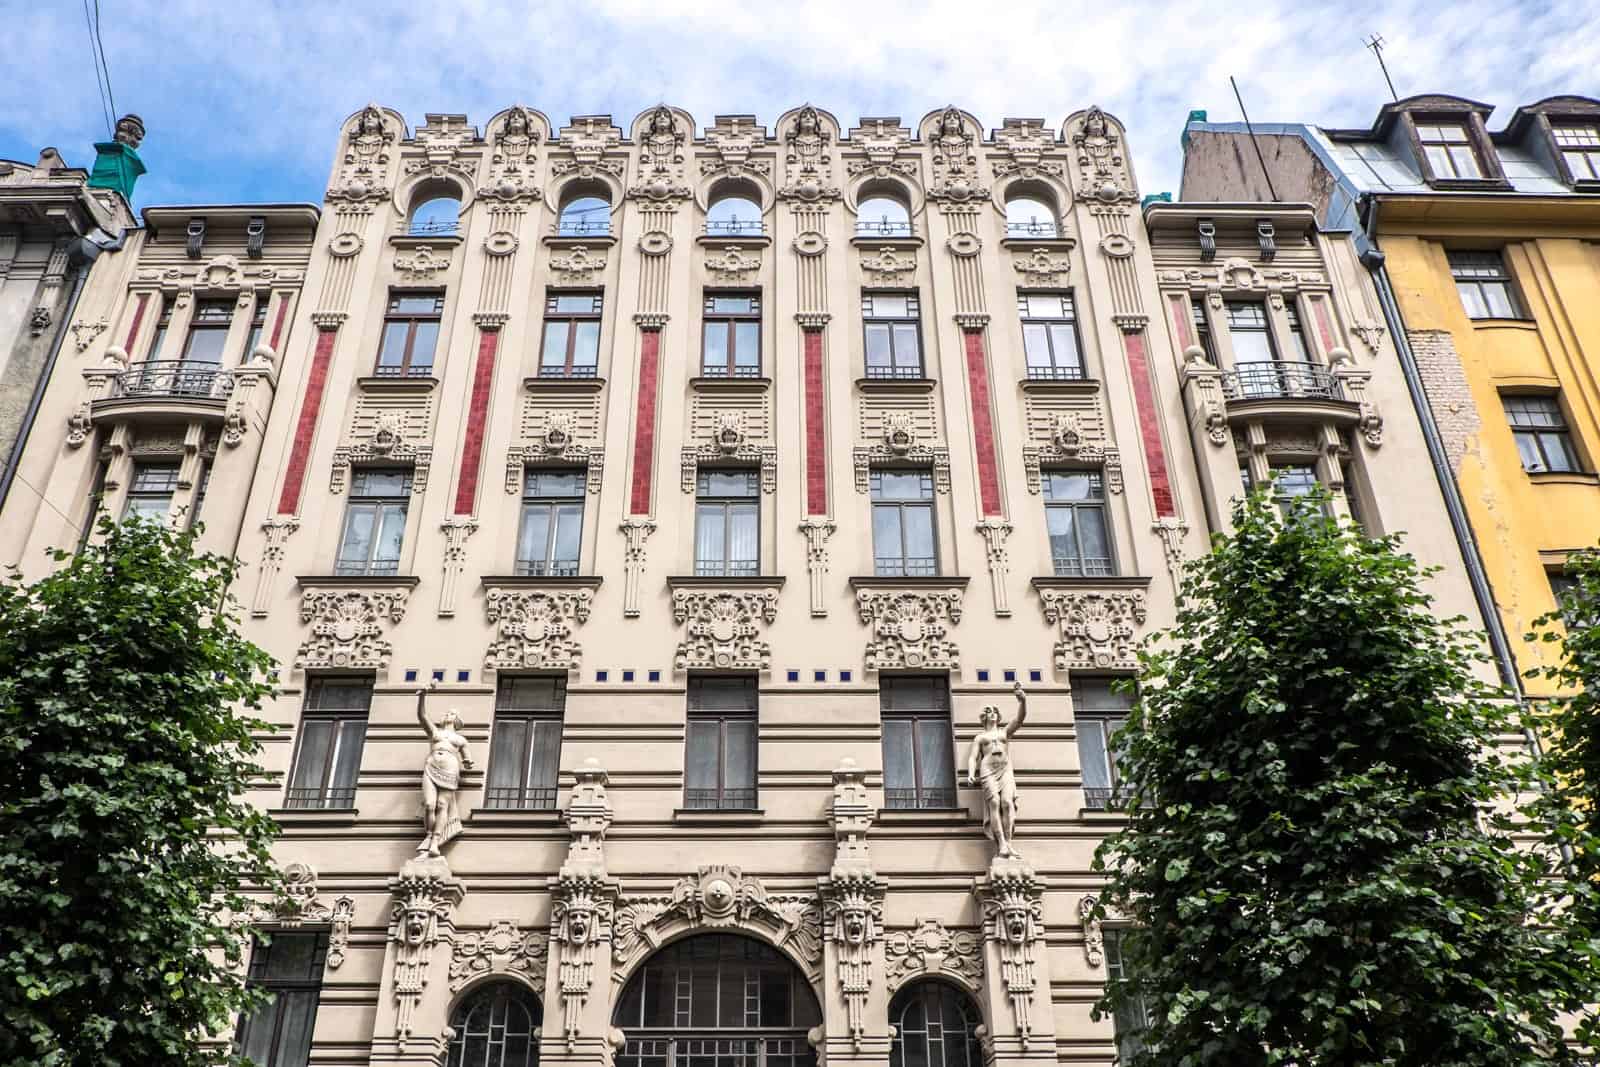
<point x="1372" y="258"/>
<point x="83" y="254"/>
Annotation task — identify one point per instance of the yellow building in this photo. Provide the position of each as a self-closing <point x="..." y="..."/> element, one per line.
<point x="1484" y="246"/>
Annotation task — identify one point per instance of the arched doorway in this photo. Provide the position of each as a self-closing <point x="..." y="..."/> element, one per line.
<point x="496" y="1025"/>
<point x="717" y="1000"/>
<point x="935" y="1025"/>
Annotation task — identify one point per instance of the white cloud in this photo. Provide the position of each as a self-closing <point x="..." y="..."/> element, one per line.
<point x="242" y="101"/>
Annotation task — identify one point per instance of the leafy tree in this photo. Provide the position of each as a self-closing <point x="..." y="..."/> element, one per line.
<point x="1319" y="866"/>
<point x="124" y="833"/>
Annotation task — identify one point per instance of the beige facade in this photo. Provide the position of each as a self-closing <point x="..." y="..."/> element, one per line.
<point x="820" y="396"/>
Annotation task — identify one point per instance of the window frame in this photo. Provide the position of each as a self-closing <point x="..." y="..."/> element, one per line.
<point x="329" y="795"/>
<point x="724" y="797"/>
<point x="929" y="502"/>
<point x="730" y="321"/>
<point x="1201" y="324"/>
<point x="253" y="337"/>
<point x="1097" y="503"/>
<point x="202" y="326"/>
<point x="569" y="367"/>
<point x="1128" y="1044"/>
<point x="894" y="370"/>
<point x="381" y="505"/>
<point x="1077" y="369"/>
<point x="1536" y="433"/>
<point x="548" y="566"/>
<point x="257" y="976"/>
<point x="1498" y="274"/>
<point x="138" y="492"/>
<point x="1588" y="152"/>
<point x="884" y="229"/>
<point x="158" y="339"/>
<point x="1462" y="121"/>
<point x="703" y="498"/>
<point x="407" y="367"/>
<point x="1032" y="230"/>
<point x="523" y="796"/>
<point x="1109" y="718"/>
<point x="923" y="796"/>
<point x="581" y="227"/>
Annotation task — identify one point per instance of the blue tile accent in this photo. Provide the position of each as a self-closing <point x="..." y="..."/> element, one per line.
<point x="844" y="676"/>
<point x="654" y="676"/>
<point x="794" y="676"/>
<point x="601" y="676"/>
<point x="411" y="674"/>
<point x="983" y="675"/>
<point x="1035" y="676"/>
<point x="819" y="676"/>
<point x="1011" y="676"/>
<point x="627" y="676"/>
<point x="463" y="676"/>
<point x="438" y="676"/>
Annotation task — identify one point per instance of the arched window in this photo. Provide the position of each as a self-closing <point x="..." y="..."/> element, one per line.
<point x="882" y="215"/>
<point x="720" y="1000"/>
<point x="1030" y="216"/>
<point x="495" y="1027"/>
<point x="436" y="216"/>
<point x="585" y="214"/>
<point x="936" y="1025"/>
<point x="735" y="210"/>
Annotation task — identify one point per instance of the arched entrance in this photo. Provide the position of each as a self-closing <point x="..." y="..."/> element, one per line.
<point x="717" y="1000"/>
<point x="495" y="1026"/>
<point x="935" y="1025"/>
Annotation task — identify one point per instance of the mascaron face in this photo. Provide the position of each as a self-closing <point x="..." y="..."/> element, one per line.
<point x="578" y="926"/>
<point x="1016" y="924"/>
<point x="416" y="926"/>
<point x="855" y="925"/>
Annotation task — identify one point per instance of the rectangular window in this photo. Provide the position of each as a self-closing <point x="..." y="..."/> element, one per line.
<point x="918" y="745"/>
<point x="208" y="331"/>
<point x="278" y="1034"/>
<point x="903" y="539"/>
<point x="731" y="336"/>
<point x="151" y="489"/>
<point x="1075" y="516"/>
<point x="1579" y="144"/>
<point x="1202" y="329"/>
<point x="410" y="334"/>
<point x="892" y="322"/>
<point x="333" y="729"/>
<point x="1448" y="147"/>
<point x="552" y="522"/>
<point x="199" y="498"/>
<point x="1543" y="440"/>
<point x="1252" y="337"/>
<point x="258" y="324"/>
<point x="1290" y="481"/>
<point x="1297" y="333"/>
<point x="375" y="521"/>
<point x="162" y="325"/>
<point x="1133" y="1018"/>
<point x="1484" y="285"/>
<point x="1050" y="335"/>
<point x="1098" y="712"/>
<point x="571" y="347"/>
<point x="727" y="523"/>
<point x="719" y="756"/>
<point x="525" y="751"/>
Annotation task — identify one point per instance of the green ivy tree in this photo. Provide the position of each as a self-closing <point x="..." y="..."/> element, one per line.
<point x="124" y="833"/>
<point x="1319" y="866"/>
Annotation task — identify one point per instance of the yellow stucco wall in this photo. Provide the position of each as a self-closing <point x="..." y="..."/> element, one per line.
<point x="1523" y="522"/>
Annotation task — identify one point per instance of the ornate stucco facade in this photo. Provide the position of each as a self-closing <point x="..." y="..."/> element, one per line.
<point x="812" y="486"/>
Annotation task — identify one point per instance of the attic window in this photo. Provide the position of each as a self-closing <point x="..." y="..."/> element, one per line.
<point x="1579" y="144"/>
<point x="1448" y="148"/>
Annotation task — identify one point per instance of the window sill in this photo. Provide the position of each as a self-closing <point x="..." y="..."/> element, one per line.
<point x="425" y="240"/>
<point x="1504" y="324"/>
<point x="731" y="384"/>
<point x="398" y="383"/>
<point x="733" y="240"/>
<point x="916" y="581"/>
<point x="293" y="817"/>
<point x="498" y="817"/>
<point x="905" y="241"/>
<point x="1564" y="478"/>
<point x="1060" y="385"/>
<point x="896" y="385"/>
<point x="719" y="816"/>
<point x="1059" y="243"/>
<point x="586" y="240"/>
<point x="576" y="385"/>
<point x="1064" y="581"/>
<point x="360" y="581"/>
<point x="541" y="581"/>
<point x="740" y="581"/>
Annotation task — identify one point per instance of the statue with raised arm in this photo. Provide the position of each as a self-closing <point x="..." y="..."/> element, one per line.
<point x="441" y="776"/>
<point x="989" y="762"/>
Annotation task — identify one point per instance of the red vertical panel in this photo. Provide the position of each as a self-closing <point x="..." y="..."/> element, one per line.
<point x="644" y="433"/>
<point x="277" y="327"/>
<point x="310" y="406"/>
<point x="982" y="423"/>
<point x="1319" y="309"/>
<point x="1144" y="396"/>
<point x="133" y="331"/>
<point x="1182" y="320"/>
<point x="472" y="440"/>
<point x="816" y="435"/>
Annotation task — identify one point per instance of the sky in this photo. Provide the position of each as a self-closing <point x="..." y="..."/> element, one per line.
<point x="242" y="101"/>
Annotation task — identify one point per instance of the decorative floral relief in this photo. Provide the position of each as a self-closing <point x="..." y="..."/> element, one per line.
<point x="533" y="628"/>
<point x="347" y="628"/>
<point x="500" y="949"/>
<point x="720" y="896"/>
<point x="724" y="628"/>
<point x="932" y="949"/>
<point x="910" y="628"/>
<point x="1097" y="627"/>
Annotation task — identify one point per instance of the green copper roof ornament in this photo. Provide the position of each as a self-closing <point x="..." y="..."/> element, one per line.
<point x="117" y="165"/>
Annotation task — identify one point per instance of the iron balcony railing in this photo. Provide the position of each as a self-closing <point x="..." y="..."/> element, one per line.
<point x="1069" y="372"/>
<point x="914" y="799"/>
<point x="882" y="228"/>
<point x="733" y="568"/>
<point x="719" y="799"/>
<point x="685" y="1051"/>
<point x="904" y="566"/>
<point x="722" y="370"/>
<point x="381" y="568"/>
<point x="1274" y="379"/>
<point x="1041" y="228"/>
<point x="894" y="370"/>
<point x="584" y="228"/>
<point x="577" y="370"/>
<point x="1107" y="798"/>
<point x="434" y="228"/>
<point x="1083" y="566"/>
<point x="175" y="378"/>
<point x="395" y="370"/>
<point x="517" y="798"/>
<point x="735" y="227"/>
<point x="330" y="797"/>
<point x="547" y="568"/>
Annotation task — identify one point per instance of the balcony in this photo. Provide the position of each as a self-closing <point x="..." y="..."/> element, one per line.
<point x="1277" y="380"/>
<point x="434" y="228"/>
<point x="173" y="378"/>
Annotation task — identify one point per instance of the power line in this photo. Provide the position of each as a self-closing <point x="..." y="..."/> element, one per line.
<point x="100" y="46"/>
<point x="105" y="95"/>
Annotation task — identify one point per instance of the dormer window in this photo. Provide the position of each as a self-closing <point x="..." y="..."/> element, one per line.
<point x="1448" y="148"/>
<point x="1579" y="144"/>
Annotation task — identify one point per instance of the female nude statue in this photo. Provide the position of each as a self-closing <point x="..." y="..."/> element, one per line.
<point x="989" y="761"/>
<point x="441" y="777"/>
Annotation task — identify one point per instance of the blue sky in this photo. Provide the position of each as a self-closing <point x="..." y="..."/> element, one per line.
<point x="242" y="101"/>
